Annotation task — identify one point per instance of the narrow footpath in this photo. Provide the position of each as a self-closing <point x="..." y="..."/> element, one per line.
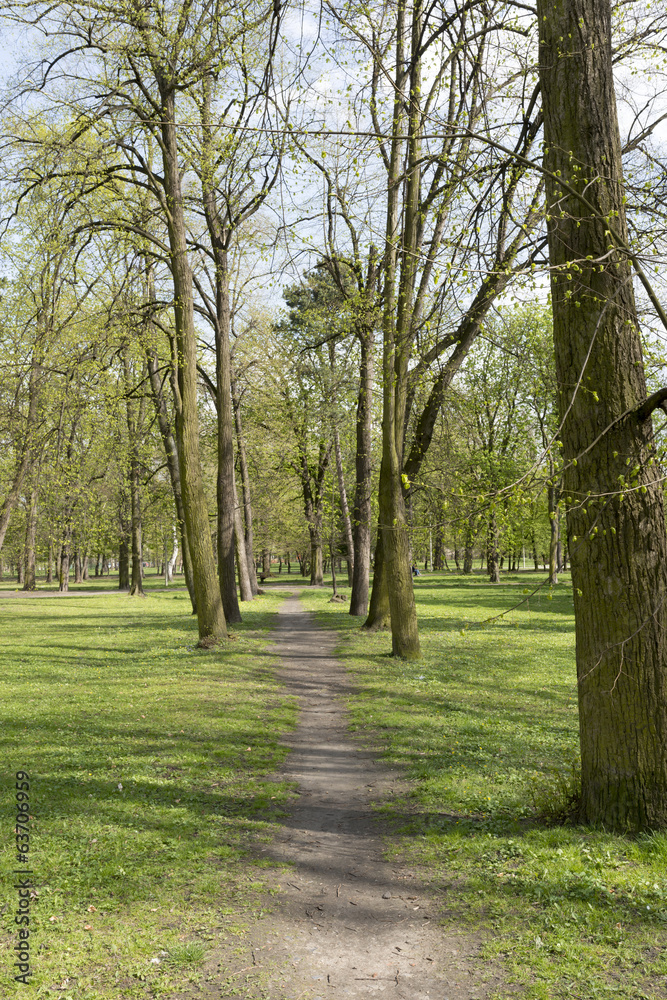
<point x="346" y="922"/>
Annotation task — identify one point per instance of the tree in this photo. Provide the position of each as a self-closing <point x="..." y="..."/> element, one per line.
<point x="612" y="485"/>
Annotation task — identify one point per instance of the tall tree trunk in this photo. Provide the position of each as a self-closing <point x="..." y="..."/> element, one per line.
<point x="397" y="339"/>
<point x="316" y="554"/>
<point x="492" y="563"/>
<point x="245" y="588"/>
<point x="210" y="613"/>
<point x="245" y="488"/>
<point x="137" y="581"/>
<point x="362" y="492"/>
<point x="378" y="609"/>
<point x="226" y="488"/>
<point x="171" y="562"/>
<point x="554" y="536"/>
<point x="173" y="466"/>
<point x="266" y="562"/>
<point x="25" y="456"/>
<point x="49" y="563"/>
<point x="63" y="572"/>
<point x="76" y="558"/>
<point x="29" y="576"/>
<point x="345" y="510"/>
<point x="617" y="542"/>
<point x="124" y="563"/>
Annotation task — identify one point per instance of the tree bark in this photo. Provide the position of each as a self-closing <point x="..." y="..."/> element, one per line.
<point x="361" y="571"/>
<point x="25" y="456"/>
<point x="554" y="534"/>
<point x="210" y="613"/>
<point x="245" y="488"/>
<point x="63" y="572"/>
<point x="171" y="455"/>
<point x="345" y="510"/>
<point x="492" y="564"/>
<point x="29" y="575"/>
<point x="124" y="564"/>
<point x="316" y="554"/>
<point x="617" y="542"/>
<point x="226" y="488"/>
<point x="378" y="610"/>
<point x="245" y="587"/>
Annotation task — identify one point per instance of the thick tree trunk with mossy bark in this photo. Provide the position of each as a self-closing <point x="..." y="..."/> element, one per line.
<point x="210" y="613"/>
<point x="361" y="510"/>
<point x="617" y="542"/>
<point x="378" y="609"/>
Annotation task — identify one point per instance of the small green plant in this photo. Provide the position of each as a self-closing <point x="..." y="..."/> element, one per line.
<point x="186" y="954"/>
<point x="556" y="796"/>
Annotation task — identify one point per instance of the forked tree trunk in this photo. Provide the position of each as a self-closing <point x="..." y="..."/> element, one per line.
<point x="617" y="543"/>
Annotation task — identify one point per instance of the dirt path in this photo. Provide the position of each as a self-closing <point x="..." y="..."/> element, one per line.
<point x="346" y="922"/>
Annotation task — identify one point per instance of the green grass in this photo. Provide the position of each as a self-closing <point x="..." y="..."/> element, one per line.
<point x="149" y="763"/>
<point x="485" y="727"/>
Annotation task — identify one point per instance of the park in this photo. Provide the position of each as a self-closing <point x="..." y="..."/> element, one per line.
<point x="333" y="554"/>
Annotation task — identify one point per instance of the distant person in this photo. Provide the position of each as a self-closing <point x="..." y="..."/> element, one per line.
<point x="415" y="571"/>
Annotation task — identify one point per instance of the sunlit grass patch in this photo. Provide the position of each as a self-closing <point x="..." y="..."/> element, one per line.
<point x="485" y="725"/>
<point x="149" y="762"/>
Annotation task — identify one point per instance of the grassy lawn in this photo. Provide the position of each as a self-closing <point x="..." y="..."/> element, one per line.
<point x="485" y="726"/>
<point x="148" y="762"/>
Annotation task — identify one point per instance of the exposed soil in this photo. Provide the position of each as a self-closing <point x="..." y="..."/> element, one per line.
<point x="346" y="922"/>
